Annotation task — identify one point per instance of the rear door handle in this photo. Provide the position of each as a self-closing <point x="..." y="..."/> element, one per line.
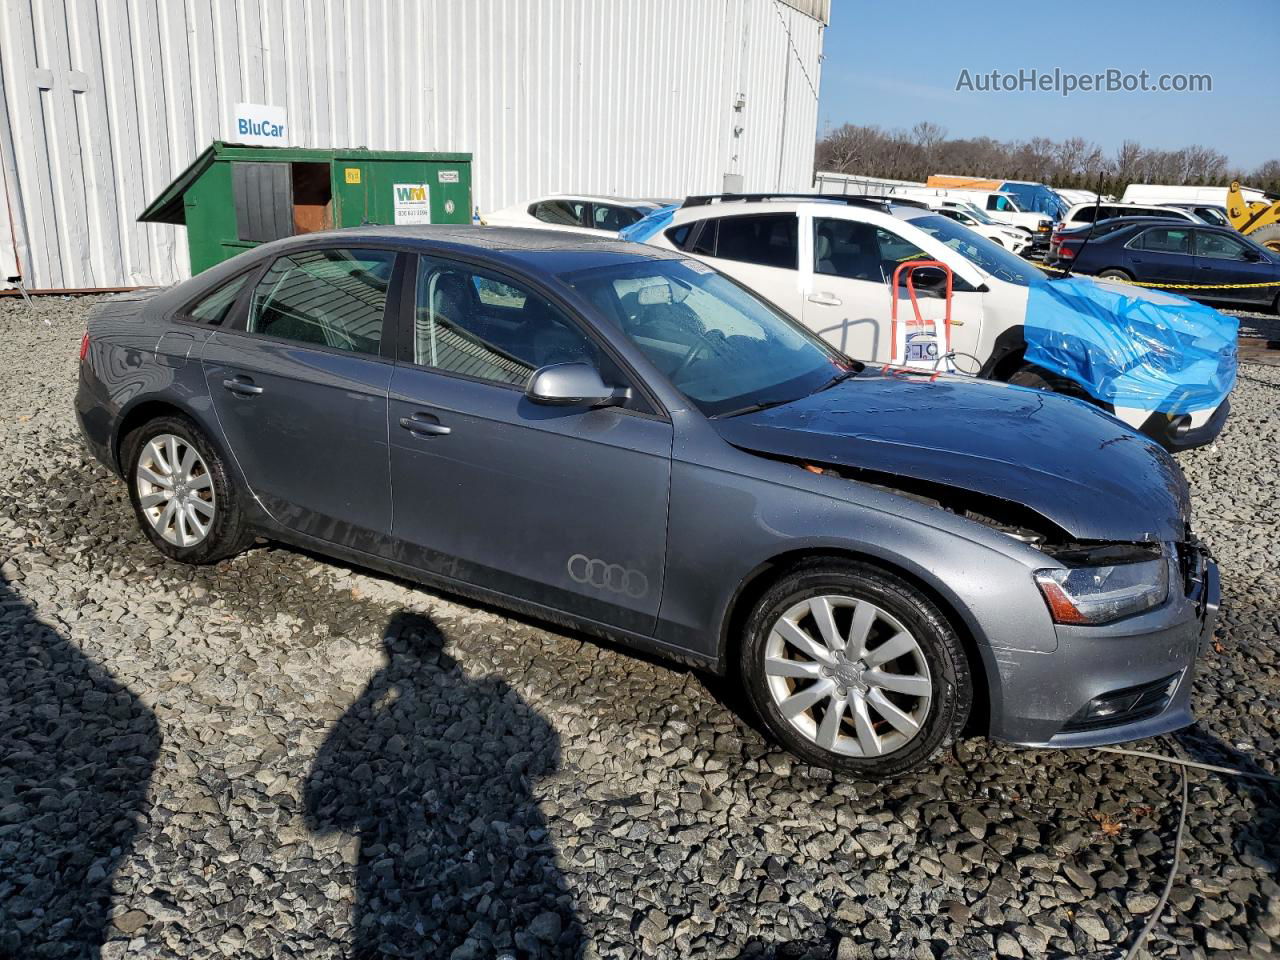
<point x="826" y="299"/>
<point x="425" y="425"/>
<point x="244" y="386"/>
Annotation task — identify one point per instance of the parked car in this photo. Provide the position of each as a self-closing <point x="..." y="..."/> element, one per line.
<point x="1095" y="230"/>
<point x="1210" y="213"/>
<point x="829" y="262"/>
<point x="1015" y="240"/>
<point x="623" y="440"/>
<point x="576" y="214"/>
<point x="1082" y="214"/>
<point x="1172" y="253"/>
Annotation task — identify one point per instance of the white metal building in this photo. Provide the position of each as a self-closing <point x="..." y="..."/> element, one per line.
<point x="104" y="102"/>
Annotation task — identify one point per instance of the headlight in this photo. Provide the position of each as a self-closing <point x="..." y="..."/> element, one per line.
<point x="1095" y="595"/>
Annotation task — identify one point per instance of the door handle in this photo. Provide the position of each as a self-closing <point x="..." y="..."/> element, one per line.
<point x="826" y="299"/>
<point x="425" y="425"/>
<point x="243" y="386"/>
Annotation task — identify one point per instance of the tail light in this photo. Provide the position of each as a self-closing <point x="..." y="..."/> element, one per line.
<point x="84" y="346"/>
<point x="1065" y="251"/>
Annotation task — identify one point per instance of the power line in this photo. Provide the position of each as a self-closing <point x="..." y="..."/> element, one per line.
<point x="777" y="8"/>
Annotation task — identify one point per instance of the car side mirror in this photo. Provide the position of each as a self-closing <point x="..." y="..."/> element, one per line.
<point x="573" y="383"/>
<point x="1253" y="256"/>
<point x="928" y="278"/>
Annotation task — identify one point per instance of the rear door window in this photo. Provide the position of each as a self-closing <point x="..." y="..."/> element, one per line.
<point x="327" y="298"/>
<point x="1165" y="240"/>
<point x="768" y="239"/>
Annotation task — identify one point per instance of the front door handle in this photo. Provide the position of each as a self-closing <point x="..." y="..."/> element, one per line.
<point x="243" y="386"/>
<point x="425" y="425"/>
<point x="826" y="299"/>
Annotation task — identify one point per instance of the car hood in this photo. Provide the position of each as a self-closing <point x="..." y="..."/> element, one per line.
<point x="1076" y="466"/>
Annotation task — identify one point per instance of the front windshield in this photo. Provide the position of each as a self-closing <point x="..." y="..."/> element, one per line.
<point x="978" y="214"/>
<point x="717" y="344"/>
<point x="1213" y="215"/>
<point x="981" y="252"/>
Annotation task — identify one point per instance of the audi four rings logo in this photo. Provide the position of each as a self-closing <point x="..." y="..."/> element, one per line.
<point x="607" y="576"/>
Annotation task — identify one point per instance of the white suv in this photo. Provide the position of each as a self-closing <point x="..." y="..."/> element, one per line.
<point x="1083" y="214"/>
<point x="829" y="262"/>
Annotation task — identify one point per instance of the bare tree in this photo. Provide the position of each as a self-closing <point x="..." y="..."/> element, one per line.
<point x="1075" y="162"/>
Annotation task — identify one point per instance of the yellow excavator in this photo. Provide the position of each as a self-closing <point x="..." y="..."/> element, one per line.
<point x="1259" y="220"/>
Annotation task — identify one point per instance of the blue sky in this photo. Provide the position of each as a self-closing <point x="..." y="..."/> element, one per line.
<point x="893" y="64"/>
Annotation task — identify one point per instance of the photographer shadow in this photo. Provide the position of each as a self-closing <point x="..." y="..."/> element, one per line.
<point x="77" y="752"/>
<point x="431" y="770"/>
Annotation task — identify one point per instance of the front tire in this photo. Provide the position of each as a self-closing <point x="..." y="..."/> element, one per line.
<point x="852" y="668"/>
<point x="1037" y="378"/>
<point x="182" y="492"/>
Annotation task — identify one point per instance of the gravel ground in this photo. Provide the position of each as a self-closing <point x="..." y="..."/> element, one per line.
<point x="281" y="756"/>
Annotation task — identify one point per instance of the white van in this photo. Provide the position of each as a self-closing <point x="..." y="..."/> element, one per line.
<point x="1162" y="193"/>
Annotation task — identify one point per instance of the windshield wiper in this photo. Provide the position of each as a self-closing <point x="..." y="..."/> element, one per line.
<point x="838" y="378"/>
<point x="750" y="408"/>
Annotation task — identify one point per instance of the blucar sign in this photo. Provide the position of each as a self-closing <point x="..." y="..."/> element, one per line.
<point x="260" y="124"/>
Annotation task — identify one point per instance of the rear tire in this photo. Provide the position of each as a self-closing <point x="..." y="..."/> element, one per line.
<point x="182" y="492"/>
<point x="1115" y="274"/>
<point x="1268" y="236"/>
<point x="884" y="685"/>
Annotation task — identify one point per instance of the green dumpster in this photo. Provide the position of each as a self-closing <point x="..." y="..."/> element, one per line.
<point x="235" y="197"/>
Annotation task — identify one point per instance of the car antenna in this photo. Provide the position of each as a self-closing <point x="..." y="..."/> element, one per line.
<point x="1097" y="203"/>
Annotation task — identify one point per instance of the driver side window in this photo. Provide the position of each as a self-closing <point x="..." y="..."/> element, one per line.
<point x="480" y="326"/>
<point x="858" y="251"/>
<point x="1218" y="246"/>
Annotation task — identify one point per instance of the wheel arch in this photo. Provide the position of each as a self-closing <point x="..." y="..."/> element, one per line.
<point x="765" y="574"/>
<point x="146" y="409"/>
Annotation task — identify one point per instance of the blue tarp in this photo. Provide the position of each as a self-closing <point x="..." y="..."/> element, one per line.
<point x="1131" y="347"/>
<point x="1036" y="198"/>
<point x="648" y="225"/>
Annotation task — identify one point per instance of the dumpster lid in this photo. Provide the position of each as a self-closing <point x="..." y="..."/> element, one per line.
<point x="169" y="207"/>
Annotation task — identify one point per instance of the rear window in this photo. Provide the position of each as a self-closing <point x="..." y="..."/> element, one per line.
<point x="563" y="213"/>
<point x="679" y="236"/>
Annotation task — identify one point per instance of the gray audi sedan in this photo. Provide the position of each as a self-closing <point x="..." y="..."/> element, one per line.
<point x="622" y="440"/>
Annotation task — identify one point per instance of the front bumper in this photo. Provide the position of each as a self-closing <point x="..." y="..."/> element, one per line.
<point x="1036" y="696"/>
<point x="1179" y="432"/>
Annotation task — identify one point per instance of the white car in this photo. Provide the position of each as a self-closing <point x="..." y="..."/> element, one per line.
<point x="966" y="214"/>
<point x="1083" y="214"/>
<point x="576" y="213"/>
<point x="829" y="262"/>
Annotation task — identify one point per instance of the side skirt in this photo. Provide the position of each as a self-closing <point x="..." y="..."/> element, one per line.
<point x="461" y="588"/>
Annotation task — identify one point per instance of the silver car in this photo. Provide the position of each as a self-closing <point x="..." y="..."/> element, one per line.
<point x="622" y="440"/>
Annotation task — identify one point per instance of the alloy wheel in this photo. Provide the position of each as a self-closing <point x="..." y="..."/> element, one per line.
<point x="175" y="490"/>
<point x="848" y="676"/>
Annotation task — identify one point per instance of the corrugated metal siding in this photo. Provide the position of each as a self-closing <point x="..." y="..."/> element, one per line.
<point x="106" y="101"/>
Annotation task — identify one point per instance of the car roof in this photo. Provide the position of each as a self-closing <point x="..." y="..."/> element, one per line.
<point x="1126" y="222"/>
<point x="600" y="198"/>
<point x="832" y="205"/>
<point x="530" y="249"/>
